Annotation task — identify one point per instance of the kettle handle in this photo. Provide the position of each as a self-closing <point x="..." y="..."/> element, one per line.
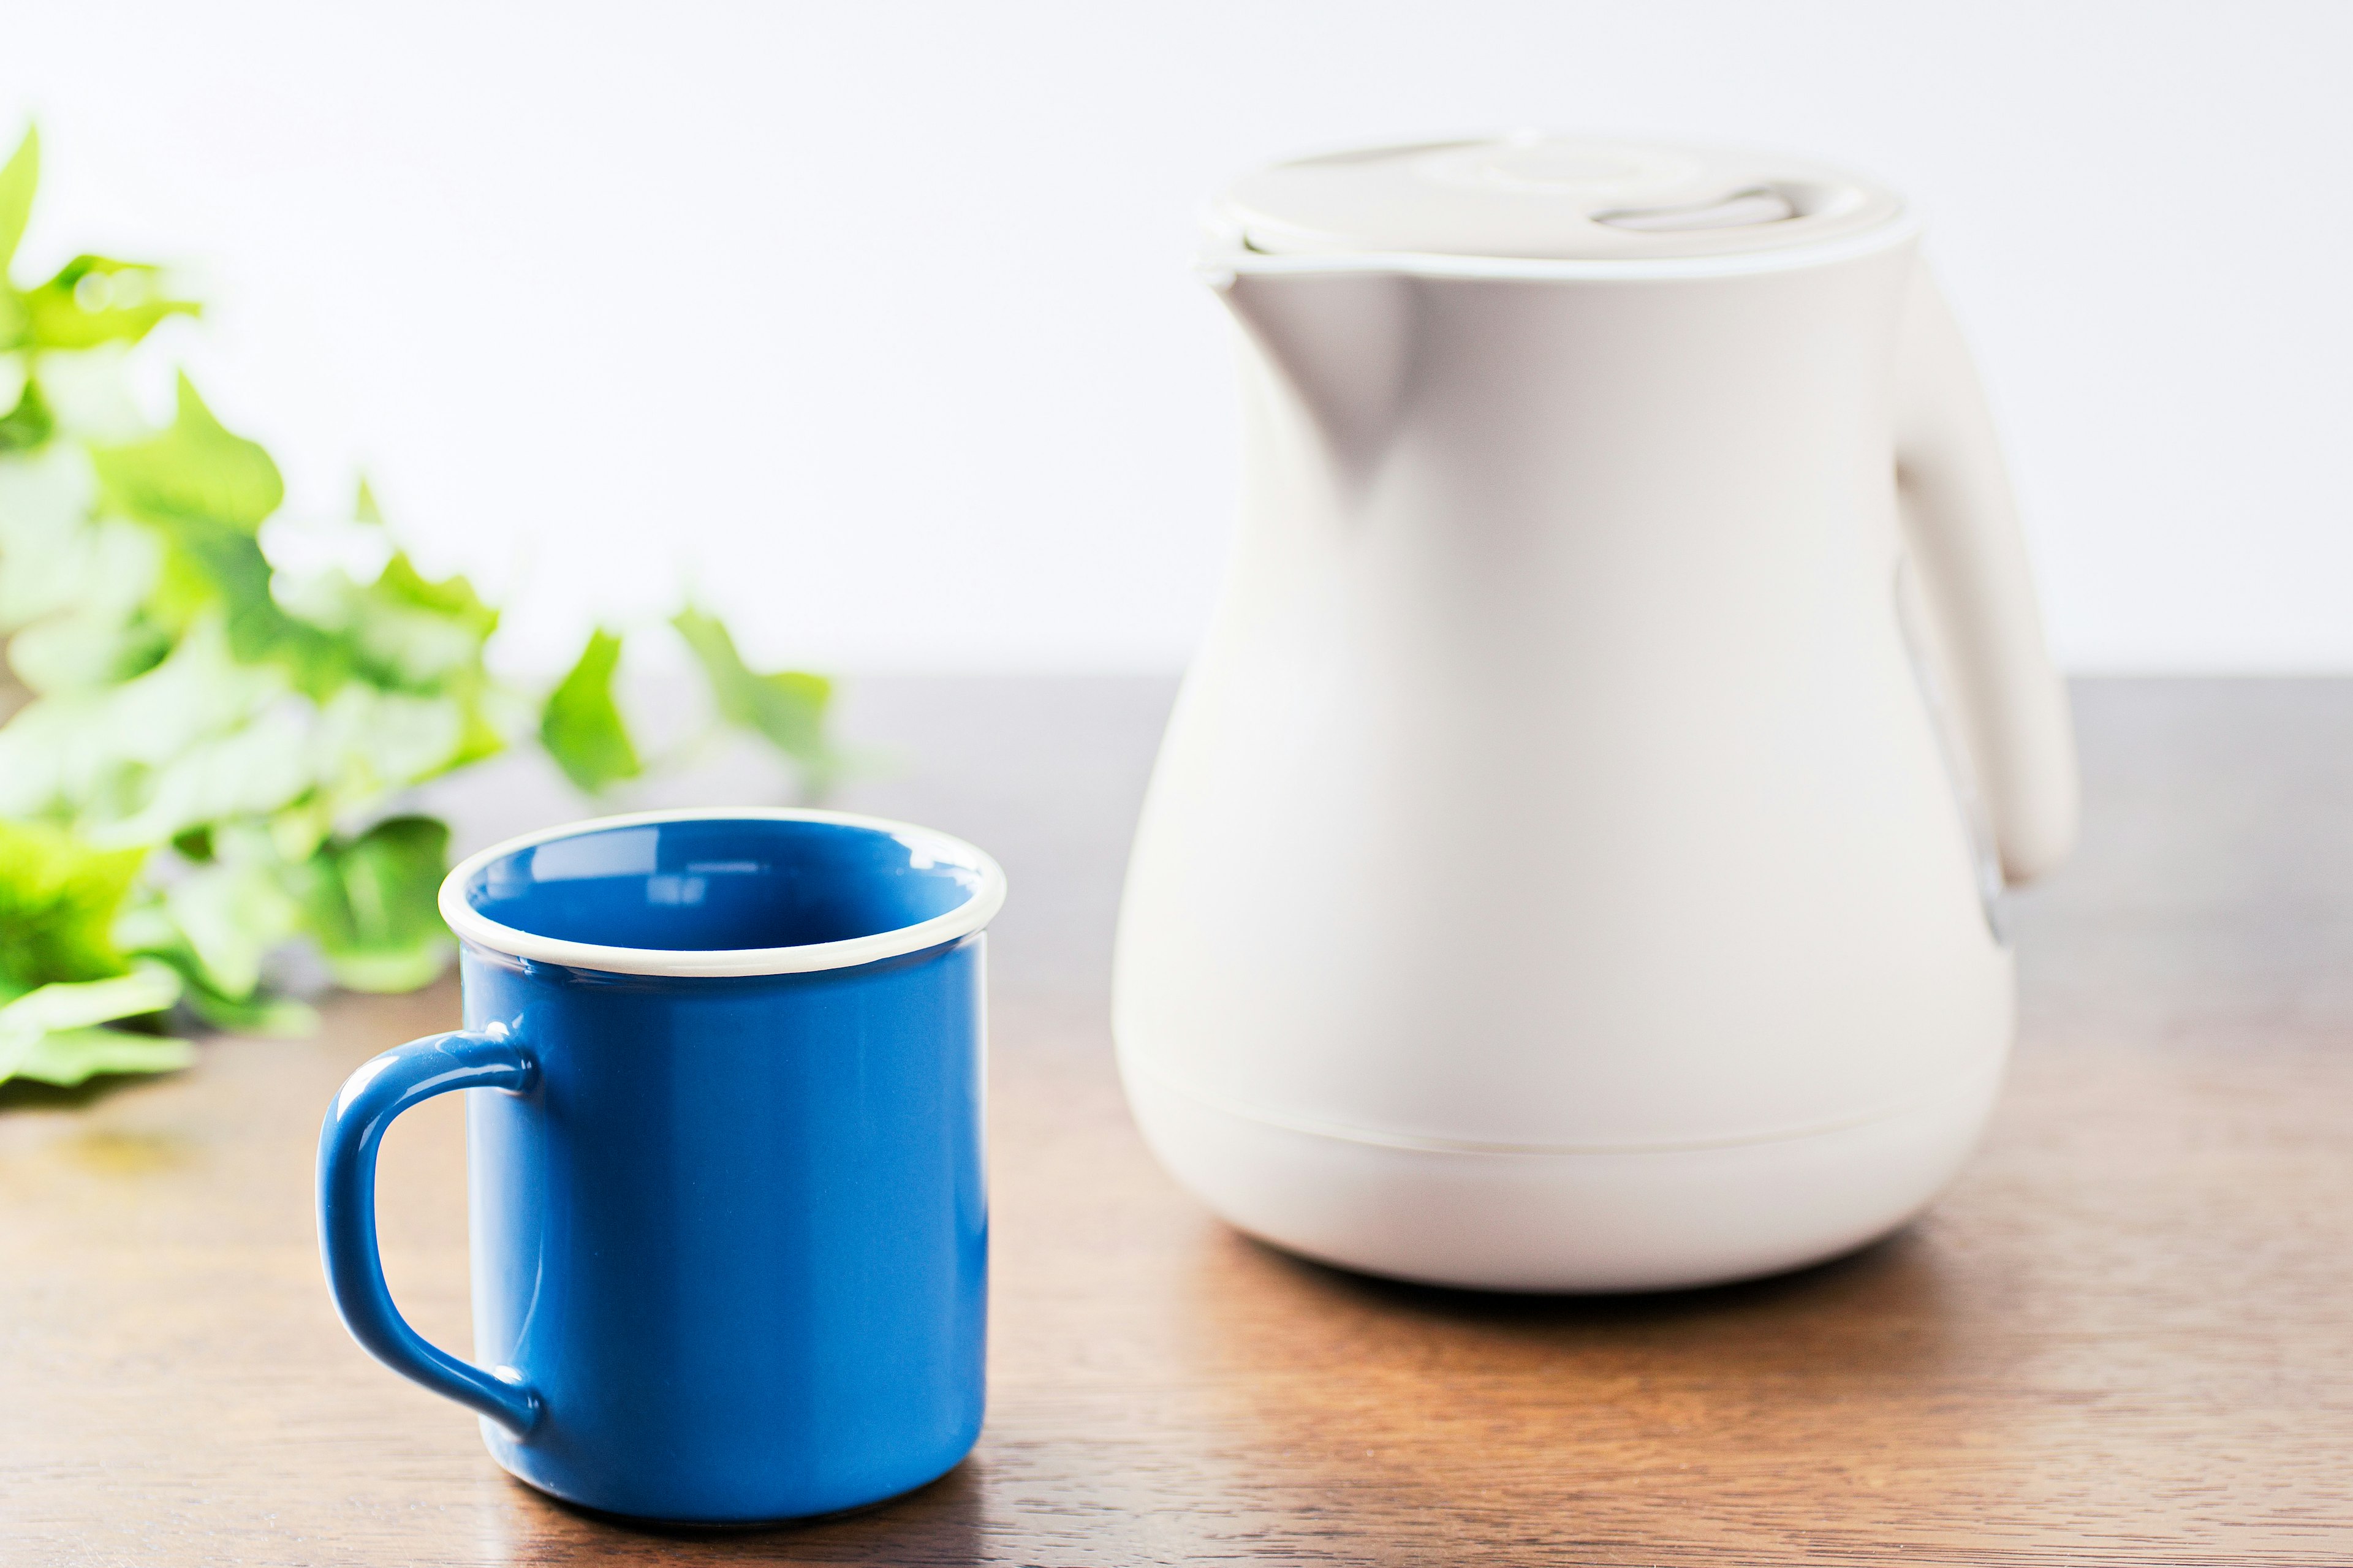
<point x="1961" y="528"/>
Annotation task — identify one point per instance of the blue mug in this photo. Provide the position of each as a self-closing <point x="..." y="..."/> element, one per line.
<point x="723" y="1122"/>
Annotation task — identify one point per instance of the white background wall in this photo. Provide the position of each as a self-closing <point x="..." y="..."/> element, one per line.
<point x="875" y="321"/>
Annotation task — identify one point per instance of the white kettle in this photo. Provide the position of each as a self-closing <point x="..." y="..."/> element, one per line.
<point x="1574" y="860"/>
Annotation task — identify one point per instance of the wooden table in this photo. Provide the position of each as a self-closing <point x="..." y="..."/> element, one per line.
<point x="2124" y="1337"/>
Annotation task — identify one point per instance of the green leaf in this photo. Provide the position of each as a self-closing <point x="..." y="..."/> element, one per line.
<point x="18" y="180"/>
<point x="59" y="900"/>
<point x="149" y="930"/>
<point x="732" y="681"/>
<point x="372" y="741"/>
<point x="372" y="907"/>
<point x="30" y="422"/>
<point x="230" y="914"/>
<point x="787" y="706"/>
<point x="479" y="738"/>
<point x="72" y="1057"/>
<point x="191" y="689"/>
<point x="86" y="648"/>
<point x="261" y="766"/>
<point x="580" y="725"/>
<point x="396" y="629"/>
<point x="452" y="598"/>
<point x="77" y="1004"/>
<point x="97" y="299"/>
<point x="199" y="728"/>
<point x="50" y="1032"/>
<point x="271" y="1017"/>
<point x="195" y="468"/>
<point x="209" y="564"/>
<point x="418" y="634"/>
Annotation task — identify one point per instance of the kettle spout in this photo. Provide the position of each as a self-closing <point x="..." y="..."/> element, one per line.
<point x="1343" y="340"/>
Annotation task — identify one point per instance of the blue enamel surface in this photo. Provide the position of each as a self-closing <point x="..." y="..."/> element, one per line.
<point x="730" y="1235"/>
<point x="383" y="1088"/>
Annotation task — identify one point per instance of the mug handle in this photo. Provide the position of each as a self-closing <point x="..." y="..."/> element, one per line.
<point x="381" y="1088"/>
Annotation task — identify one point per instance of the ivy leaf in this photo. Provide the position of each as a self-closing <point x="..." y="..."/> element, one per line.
<point x="210" y="563"/>
<point x="230" y="915"/>
<point x="250" y="770"/>
<point x="50" y="1032"/>
<point x="75" y="1005"/>
<point x="580" y="725"/>
<point x="102" y="754"/>
<point x="72" y="1056"/>
<point x="30" y="422"/>
<point x="397" y="628"/>
<point x="18" y="180"/>
<point x="371" y="906"/>
<point x="372" y="741"/>
<point x="269" y="1017"/>
<point x="197" y="468"/>
<point x="421" y="635"/>
<point x="59" y="900"/>
<point x="479" y="735"/>
<point x="453" y="599"/>
<point x="787" y="706"/>
<point x="191" y="688"/>
<point x="97" y="299"/>
<point x="149" y="930"/>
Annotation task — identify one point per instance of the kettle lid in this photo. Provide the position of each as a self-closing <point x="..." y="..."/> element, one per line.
<point x="1533" y="197"/>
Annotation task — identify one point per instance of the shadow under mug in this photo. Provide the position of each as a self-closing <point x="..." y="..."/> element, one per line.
<point x="724" y="1124"/>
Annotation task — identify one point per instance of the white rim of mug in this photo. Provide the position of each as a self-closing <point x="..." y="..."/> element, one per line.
<point x="473" y="926"/>
<point x="1228" y="254"/>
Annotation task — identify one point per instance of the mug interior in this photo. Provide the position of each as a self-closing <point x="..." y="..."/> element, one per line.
<point x="719" y="884"/>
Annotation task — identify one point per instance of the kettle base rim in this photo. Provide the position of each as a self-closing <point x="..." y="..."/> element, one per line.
<point x="1567" y="1223"/>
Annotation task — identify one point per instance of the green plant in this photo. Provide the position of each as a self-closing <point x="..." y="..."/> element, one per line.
<point x="211" y="741"/>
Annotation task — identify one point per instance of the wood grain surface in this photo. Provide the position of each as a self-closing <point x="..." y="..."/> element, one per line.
<point x="2124" y="1337"/>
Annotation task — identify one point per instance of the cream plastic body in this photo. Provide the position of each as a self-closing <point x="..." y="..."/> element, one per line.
<point x="1559" y="871"/>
